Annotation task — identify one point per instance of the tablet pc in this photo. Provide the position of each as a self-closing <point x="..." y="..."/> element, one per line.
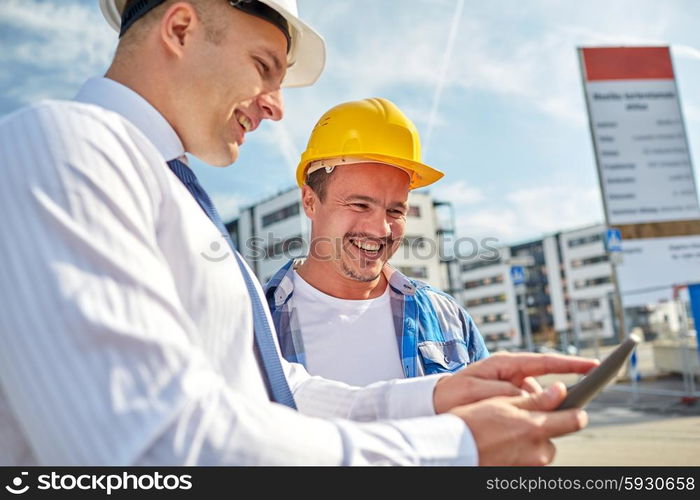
<point x="582" y="392"/>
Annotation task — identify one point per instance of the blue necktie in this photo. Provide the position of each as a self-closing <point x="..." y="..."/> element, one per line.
<point x="279" y="389"/>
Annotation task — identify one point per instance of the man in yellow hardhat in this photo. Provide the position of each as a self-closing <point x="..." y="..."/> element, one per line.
<point x="344" y="312"/>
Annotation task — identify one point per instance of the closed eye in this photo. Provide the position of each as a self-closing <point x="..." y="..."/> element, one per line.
<point x="360" y="206"/>
<point x="263" y="67"/>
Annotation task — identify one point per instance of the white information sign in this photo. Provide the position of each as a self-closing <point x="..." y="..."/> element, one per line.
<point x="642" y="152"/>
<point x="652" y="266"/>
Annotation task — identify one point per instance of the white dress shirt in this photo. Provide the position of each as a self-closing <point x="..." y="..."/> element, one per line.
<point x="122" y="343"/>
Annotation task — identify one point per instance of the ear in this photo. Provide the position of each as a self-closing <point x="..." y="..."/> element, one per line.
<point x="177" y="27"/>
<point x="309" y="201"/>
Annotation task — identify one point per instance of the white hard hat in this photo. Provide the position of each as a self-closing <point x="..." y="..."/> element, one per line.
<point x="307" y="54"/>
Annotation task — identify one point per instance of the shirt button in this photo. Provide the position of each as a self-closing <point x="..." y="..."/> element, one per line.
<point x="447" y="360"/>
<point x="410" y="324"/>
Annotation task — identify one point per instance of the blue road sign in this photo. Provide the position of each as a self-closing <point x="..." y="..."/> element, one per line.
<point x="613" y="240"/>
<point x="694" y="292"/>
<point x="517" y="274"/>
<point x="634" y="369"/>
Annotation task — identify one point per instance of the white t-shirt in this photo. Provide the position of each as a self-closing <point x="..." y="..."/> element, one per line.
<point x="352" y="341"/>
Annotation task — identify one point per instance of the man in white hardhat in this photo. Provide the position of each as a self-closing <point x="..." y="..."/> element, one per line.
<point x="122" y="344"/>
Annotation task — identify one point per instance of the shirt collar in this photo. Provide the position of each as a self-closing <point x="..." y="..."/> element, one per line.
<point x="281" y="285"/>
<point x="116" y="97"/>
<point x="398" y="281"/>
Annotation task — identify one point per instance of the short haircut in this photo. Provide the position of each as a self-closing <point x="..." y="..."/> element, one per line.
<point x="318" y="182"/>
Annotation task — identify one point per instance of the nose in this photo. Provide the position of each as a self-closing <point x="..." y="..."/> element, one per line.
<point x="378" y="224"/>
<point x="272" y="105"/>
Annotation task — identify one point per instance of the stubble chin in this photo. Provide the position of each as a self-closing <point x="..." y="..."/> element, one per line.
<point x="364" y="276"/>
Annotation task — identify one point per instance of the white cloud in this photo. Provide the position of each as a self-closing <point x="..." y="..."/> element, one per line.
<point x="278" y="135"/>
<point x="58" y="33"/>
<point x="57" y="44"/>
<point x="531" y="212"/>
<point x="685" y="52"/>
<point x="691" y="112"/>
<point x="458" y="193"/>
<point x="497" y="222"/>
<point x="228" y="205"/>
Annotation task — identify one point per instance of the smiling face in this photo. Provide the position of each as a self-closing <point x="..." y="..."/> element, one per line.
<point x="360" y="222"/>
<point x="228" y="86"/>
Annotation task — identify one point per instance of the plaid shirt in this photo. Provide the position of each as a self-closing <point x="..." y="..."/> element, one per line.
<point x="434" y="334"/>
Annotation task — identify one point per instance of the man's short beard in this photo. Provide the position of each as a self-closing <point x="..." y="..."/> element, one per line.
<point x="353" y="275"/>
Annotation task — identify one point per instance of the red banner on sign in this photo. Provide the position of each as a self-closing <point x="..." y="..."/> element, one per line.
<point x="627" y="63"/>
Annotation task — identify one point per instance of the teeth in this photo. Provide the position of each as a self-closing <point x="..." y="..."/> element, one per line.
<point x="245" y="123"/>
<point x="366" y="245"/>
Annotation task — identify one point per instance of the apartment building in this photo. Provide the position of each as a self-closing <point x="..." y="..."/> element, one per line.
<point x="566" y="297"/>
<point x="589" y="284"/>
<point x="487" y="292"/>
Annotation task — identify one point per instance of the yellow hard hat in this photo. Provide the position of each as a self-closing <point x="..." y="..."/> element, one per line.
<point x="373" y="130"/>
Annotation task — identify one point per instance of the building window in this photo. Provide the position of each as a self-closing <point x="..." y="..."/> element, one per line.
<point x="588" y="326"/>
<point x="587" y="304"/>
<point x="281" y="214"/>
<point x="486" y="300"/>
<point x="413" y="211"/>
<point x="484" y="282"/>
<point x="579" y="284"/>
<point x="494" y="318"/>
<point x="589" y="261"/>
<point x="585" y="240"/>
<point x="498" y="337"/>
<point x="413" y="241"/>
<point x="291" y="247"/>
<point x="471" y="266"/>
<point x="420" y="272"/>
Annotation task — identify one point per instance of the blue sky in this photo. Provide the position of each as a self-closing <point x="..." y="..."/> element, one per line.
<point x="493" y="87"/>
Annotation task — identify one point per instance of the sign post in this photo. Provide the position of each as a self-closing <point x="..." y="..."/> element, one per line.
<point x="613" y="245"/>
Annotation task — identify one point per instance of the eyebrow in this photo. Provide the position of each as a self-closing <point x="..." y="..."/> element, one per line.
<point x="399" y="204"/>
<point x="374" y="201"/>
